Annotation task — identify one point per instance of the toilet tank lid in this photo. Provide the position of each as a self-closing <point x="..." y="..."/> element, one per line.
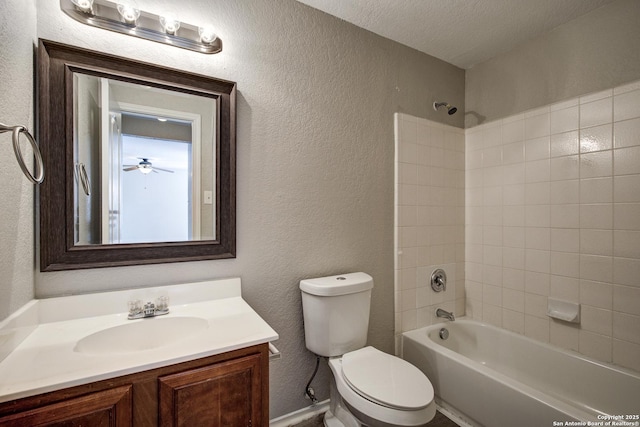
<point x="341" y="284"/>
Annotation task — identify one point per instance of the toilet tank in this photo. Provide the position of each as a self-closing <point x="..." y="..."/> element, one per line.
<point x="336" y="313"/>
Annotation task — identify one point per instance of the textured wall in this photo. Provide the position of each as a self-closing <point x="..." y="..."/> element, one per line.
<point x="17" y="39"/>
<point x="597" y="51"/>
<point x="315" y="159"/>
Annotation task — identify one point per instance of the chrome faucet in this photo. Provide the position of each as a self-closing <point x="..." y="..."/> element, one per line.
<point x="445" y="314"/>
<point x="139" y="311"/>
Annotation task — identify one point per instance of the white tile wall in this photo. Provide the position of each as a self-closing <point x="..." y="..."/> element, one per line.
<point x="430" y="218"/>
<point x="544" y="203"/>
<point x="553" y="209"/>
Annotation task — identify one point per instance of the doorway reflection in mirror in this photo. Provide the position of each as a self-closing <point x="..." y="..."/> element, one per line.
<point x="153" y="166"/>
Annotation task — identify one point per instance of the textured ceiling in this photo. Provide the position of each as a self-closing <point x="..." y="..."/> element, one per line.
<point x="461" y="32"/>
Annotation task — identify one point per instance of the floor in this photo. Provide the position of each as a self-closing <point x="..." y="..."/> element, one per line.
<point x="441" y="421"/>
<point x="438" y="421"/>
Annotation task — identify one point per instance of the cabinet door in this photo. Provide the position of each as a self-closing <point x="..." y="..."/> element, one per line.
<point x="226" y="394"/>
<point x="109" y="408"/>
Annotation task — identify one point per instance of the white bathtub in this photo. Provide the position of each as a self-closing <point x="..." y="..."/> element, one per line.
<point x="492" y="377"/>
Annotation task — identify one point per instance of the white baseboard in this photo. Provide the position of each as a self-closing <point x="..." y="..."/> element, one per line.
<point x="300" y="415"/>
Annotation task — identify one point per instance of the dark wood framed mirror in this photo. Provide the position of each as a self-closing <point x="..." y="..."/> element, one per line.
<point x="140" y="162"/>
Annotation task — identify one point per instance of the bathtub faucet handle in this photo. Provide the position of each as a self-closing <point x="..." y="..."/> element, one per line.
<point x="439" y="280"/>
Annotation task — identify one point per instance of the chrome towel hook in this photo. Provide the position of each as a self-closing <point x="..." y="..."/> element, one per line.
<point x="39" y="167"/>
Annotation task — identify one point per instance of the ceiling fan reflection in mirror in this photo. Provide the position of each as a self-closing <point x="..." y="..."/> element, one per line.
<point x="145" y="166"/>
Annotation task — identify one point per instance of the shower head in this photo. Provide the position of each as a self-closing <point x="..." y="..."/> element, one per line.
<point x="451" y="110"/>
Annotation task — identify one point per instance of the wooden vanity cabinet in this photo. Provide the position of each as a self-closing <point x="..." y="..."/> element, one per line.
<point x="214" y="395"/>
<point x="229" y="389"/>
<point x="111" y="407"/>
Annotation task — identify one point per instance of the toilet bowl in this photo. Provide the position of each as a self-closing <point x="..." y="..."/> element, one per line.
<point x="378" y="390"/>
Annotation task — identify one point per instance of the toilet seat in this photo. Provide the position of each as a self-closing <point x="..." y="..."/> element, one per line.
<point x="370" y="408"/>
<point x="386" y="380"/>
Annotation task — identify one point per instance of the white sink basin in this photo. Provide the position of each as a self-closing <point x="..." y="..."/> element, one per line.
<point x="141" y="335"/>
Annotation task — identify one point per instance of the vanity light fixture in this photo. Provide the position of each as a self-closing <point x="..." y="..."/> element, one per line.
<point x="83" y="5"/>
<point x="169" y="23"/>
<point x="124" y="16"/>
<point x="129" y="11"/>
<point x="207" y="35"/>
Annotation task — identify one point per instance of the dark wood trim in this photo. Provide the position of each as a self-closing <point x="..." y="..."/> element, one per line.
<point x="55" y="134"/>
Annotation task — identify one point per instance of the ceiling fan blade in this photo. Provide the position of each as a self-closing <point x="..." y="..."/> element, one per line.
<point x="130" y="168"/>
<point x="163" y="170"/>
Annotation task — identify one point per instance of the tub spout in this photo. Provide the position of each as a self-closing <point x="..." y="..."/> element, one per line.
<point x="445" y="314"/>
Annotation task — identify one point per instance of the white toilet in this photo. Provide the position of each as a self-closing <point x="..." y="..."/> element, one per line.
<point x="370" y="387"/>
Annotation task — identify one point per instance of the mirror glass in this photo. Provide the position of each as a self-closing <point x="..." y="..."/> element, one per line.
<point x="140" y="162"/>
<point x="144" y="161"/>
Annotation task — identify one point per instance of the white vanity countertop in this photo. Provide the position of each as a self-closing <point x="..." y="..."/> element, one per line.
<point x="46" y="360"/>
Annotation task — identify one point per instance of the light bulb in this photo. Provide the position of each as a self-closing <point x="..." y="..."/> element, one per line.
<point x="129" y="11"/>
<point x="83" y="5"/>
<point x="207" y="35"/>
<point x="169" y="23"/>
<point x="145" y="169"/>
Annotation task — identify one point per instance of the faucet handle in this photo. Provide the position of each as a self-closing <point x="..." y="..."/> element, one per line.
<point x="135" y="306"/>
<point x="162" y="304"/>
<point x="439" y="280"/>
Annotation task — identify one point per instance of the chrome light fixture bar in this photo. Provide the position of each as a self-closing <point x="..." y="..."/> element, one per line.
<point x="123" y="17"/>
